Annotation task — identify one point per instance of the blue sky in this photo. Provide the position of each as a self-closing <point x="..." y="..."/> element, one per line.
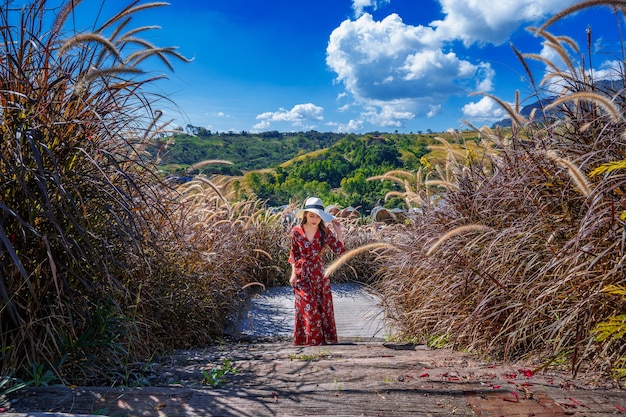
<point x="354" y="65"/>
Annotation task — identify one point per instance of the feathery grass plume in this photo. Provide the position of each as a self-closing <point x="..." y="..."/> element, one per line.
<point x="129" y="37"/>
<point x="202" y="164"/>
<point x="262" y="252"/>
<point x="62" y="15"/>
<point x="387" y="177"/>
<point x="129" y="10"/>
<point x="560" y="76"/>
<point x="137" y="57"/>
<point x="341" y="260"/>
<point x="595" y="98"/>
<point x="401" y="173"/>
<point x="468" y="228"/>
<point x="448" y="146"/>
<point x="548" y="63"/>
<point x="254" y="284"/>
<point x="81" y="38"/>
<point x="518" y="118"/>
<point x="92" y="74"/>
<point x="214" y="187"/>
<point x="555" y="44"/>
<point x="575" y="174"/>
<point x="520" y="57"/>
<point x="580" y="6"/>
<point x="441" y="183"/>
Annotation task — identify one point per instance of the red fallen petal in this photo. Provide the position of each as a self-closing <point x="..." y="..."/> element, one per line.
<point x="496" y="387"/>
<point x="620" y="408"/>
<point x="3" y="409"/>
<point x="515" y="398"/>
<point x="424" y="375"/>
<point x="528" y="373"/>
<point x="511" y="400"/>
<point x="275" y="396"/>
<point x="576" y="401"/>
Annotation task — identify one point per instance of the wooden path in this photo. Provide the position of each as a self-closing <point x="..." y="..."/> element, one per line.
<point x="360" y="376"/>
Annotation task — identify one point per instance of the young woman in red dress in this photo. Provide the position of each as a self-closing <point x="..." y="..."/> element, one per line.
<point x="315" y="316"/>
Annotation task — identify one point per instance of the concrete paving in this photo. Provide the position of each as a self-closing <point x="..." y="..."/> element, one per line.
<point x="358" y="314"/>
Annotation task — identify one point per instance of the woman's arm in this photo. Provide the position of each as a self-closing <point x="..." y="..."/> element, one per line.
<point x="338" y="230"/>
<point x="294" y="256"/>
<point x="335" y="240"/>
<point x="293" y="278"/>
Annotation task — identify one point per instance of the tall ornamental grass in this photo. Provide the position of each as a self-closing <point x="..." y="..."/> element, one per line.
<point x="102" y="262"/>
<point x="520" y="248"/>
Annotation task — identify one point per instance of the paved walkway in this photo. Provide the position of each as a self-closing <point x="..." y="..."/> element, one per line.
<point x="361" y="376"/>
<point x="358" y="314"/>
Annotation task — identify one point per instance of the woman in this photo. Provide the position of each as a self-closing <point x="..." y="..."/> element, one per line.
<point x="315" y="317"/>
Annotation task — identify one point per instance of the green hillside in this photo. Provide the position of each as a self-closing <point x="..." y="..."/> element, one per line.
<point x="286" y="167"/>
<point x="246" y="151"/>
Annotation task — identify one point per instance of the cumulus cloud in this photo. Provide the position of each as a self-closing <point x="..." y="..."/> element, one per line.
<point x="610" y="70"/>
<point x="483" y="110"/>
<point x="351" y="126"/>
<point x="359" y="6"/>
<point x="387" y="114"/>
<point x="299" y="115"/>
<point x="491" y="21"/>
<point x="398" y="71"/>
<point x="434" y="110"/>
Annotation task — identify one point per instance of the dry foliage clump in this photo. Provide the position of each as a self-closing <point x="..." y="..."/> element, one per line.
<point x="102" y="262"/>
<point x="514" y="255"/>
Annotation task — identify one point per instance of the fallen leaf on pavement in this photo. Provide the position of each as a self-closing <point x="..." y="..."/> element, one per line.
<point x="575" y="401"/>
<point x="515" y="398"/>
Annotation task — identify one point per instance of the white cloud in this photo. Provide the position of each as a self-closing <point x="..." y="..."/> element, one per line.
<point x="484" y="109"/>
<point x="360" y="5"/>
<point x="351" y="126"/>
<point x="262" y="125"/>
<point x="610" y="70"/>
<point x="387" y="115"/>
<point x="297" y="116"/>
<point x="434" y="110"/>
<point x="398" y="71"/>
<point x="491" y="21"/>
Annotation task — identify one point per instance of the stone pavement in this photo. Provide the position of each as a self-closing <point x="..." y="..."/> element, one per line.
<point x="363" y="375"/>
<point x="358" y="314"/>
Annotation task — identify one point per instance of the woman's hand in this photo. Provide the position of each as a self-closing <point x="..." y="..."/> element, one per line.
<point x="338" y="229"/>
<point x="294" y="277"/>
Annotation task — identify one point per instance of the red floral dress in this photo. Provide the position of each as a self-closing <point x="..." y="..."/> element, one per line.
<point x="315" y="316"/>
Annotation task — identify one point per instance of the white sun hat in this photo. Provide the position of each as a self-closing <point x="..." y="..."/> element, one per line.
<point x="315" y="205"/>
